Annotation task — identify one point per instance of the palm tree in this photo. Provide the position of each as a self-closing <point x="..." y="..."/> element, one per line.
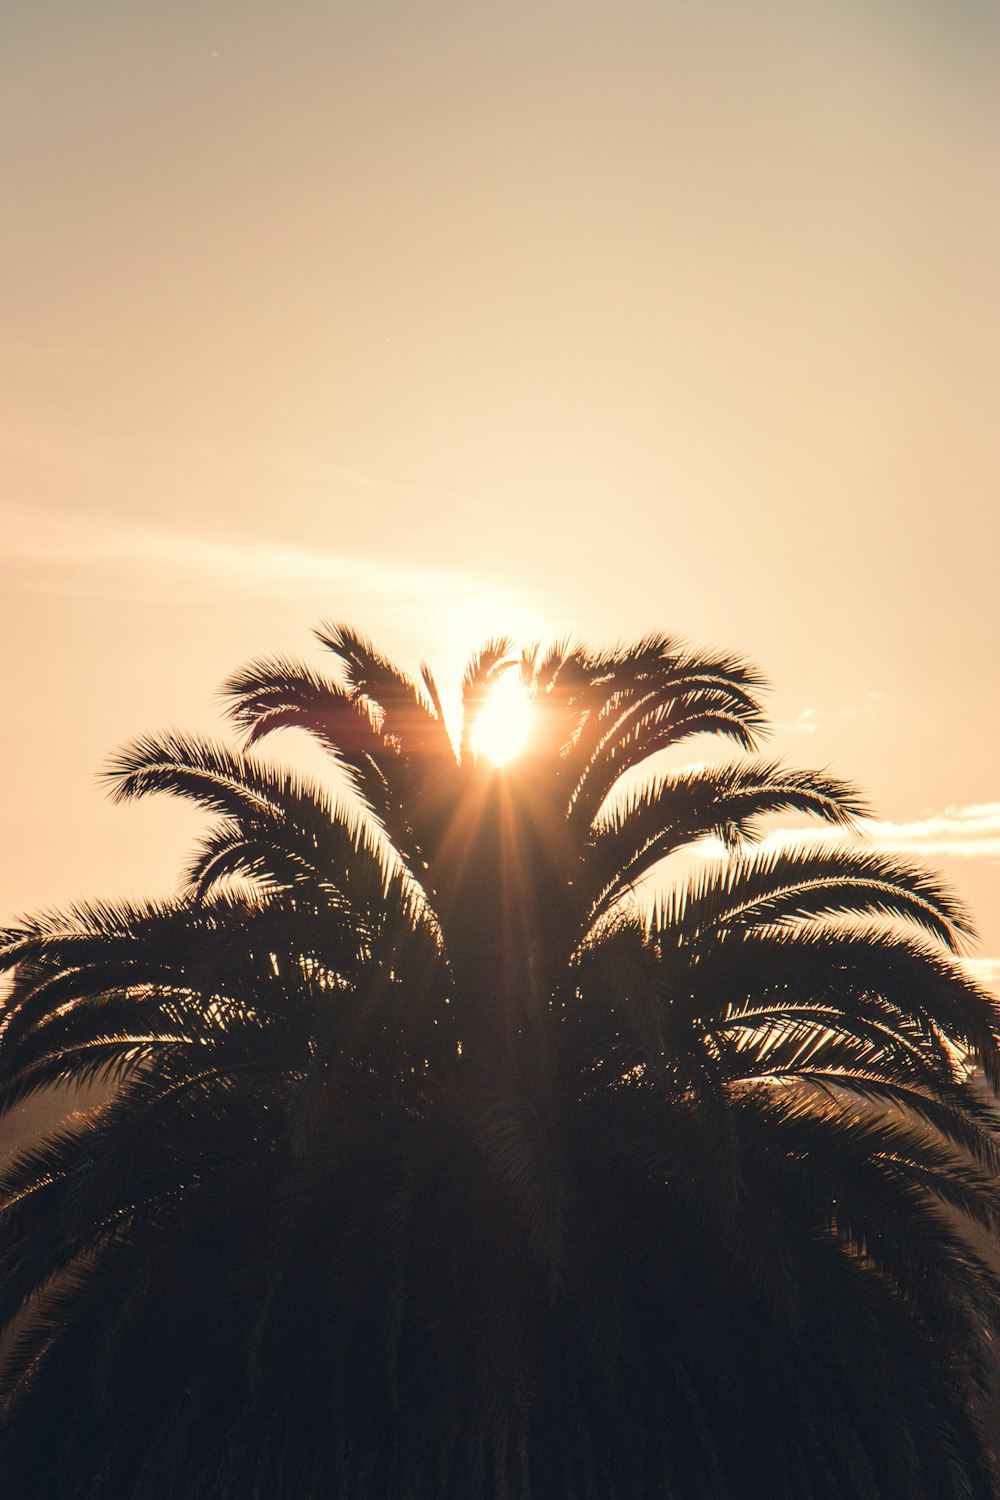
<point x="435" y="1163"/>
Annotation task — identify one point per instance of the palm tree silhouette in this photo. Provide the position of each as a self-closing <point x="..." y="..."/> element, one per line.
<point x="436" y="1164"/>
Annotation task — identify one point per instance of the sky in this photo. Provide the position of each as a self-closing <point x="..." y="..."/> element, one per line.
<point x="452" y="318"/>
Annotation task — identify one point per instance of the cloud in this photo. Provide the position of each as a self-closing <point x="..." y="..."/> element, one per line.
<point x="60" y="542"/>
<point x="971" y="832"/>
<point x="138" y="559"/>
<point x="985" y="970"/>
<point x="809" y="720"/>
<point x="806" y="722"/>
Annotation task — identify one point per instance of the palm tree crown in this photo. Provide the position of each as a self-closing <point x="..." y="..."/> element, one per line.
<point x="435" y="1164"/>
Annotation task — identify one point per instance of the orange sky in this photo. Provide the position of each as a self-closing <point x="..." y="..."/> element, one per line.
<point x="444" y="318"/>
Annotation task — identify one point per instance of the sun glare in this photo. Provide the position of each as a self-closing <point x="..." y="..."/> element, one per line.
<point x="501" y="730"/>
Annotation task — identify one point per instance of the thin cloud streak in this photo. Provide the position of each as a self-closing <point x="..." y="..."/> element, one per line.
<point x="985" y="971"/>
<point x="72" y="554"/>
<point x="810" y="720"/>
<point x="971" y="832"/>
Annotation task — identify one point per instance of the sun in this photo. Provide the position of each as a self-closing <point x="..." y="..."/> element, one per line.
<point x="502" y="726"/>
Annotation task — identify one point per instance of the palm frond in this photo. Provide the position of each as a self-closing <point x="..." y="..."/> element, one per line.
<point x="785" y="886"/>
<point x="674" y="811"/>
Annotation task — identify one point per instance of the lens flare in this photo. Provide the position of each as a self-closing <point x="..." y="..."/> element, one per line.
<point x="502" y="726"/>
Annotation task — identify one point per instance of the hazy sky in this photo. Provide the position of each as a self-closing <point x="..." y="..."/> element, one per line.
<point x="447" y="318"/>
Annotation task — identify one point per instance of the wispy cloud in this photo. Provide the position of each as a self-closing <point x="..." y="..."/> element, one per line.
<point x="809" y="720"/>
<point x="985" y="970"/>
<point x="131" y="558"/>
<point x="971" y="832"/>
<point x="59" y="543"/>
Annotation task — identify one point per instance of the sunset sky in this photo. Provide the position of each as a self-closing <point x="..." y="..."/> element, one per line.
<point x="450" y="318"/>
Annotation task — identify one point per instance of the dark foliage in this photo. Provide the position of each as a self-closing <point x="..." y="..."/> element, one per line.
<point x="431" y="1168"/>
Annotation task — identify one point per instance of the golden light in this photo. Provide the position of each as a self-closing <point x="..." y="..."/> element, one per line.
<point x="502" y="726"/>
